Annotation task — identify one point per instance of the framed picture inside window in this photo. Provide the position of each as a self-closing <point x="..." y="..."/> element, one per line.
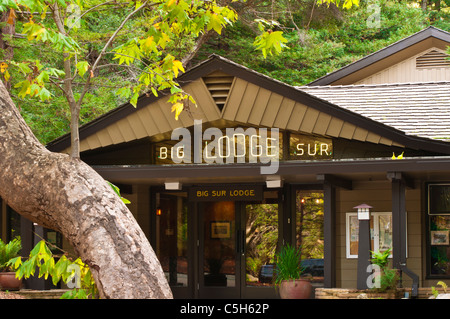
<point x="220" y="229"/>
<point x="439" y="237"/>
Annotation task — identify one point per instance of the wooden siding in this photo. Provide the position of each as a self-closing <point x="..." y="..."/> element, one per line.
<point x="252" y="105"/>
<point x="377" y="194"/>
<point x="246" y="104"/>
<point x="407" y="71"/>
<point x="155" y="119"/>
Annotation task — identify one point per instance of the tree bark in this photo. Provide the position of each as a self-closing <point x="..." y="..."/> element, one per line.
<point x="68" y="196"/>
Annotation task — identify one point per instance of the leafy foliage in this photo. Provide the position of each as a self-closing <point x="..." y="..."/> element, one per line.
<point x="388" y="277"/>
<point x="78" y="45"/>
<point x="9" y="251"/>
<point x="326" y="39"/>
<point x="58" y="268"/>
<point x="435" y="292"/>
<point x="380" y="258"/>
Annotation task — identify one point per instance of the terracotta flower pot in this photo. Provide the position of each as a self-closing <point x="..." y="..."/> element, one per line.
<point x="295" y="289"/>
<point x="8" y="281"/>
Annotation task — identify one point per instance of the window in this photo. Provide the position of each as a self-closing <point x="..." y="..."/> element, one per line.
<point x="309" y="231"/>
<point x="438" y="230"/>
<point x="380" y="232"/>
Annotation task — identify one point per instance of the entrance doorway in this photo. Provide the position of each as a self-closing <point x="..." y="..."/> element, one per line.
<point x="237" y="242"/>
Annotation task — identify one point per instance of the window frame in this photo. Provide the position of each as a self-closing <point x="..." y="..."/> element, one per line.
<point x="374" y="232"/>
<point x="430" y="212"/>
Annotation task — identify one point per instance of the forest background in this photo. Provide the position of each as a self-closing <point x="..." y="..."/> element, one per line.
<point x="321" y="39"/>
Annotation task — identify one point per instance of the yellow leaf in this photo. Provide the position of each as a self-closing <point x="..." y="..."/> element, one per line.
<point x="148" y="42"/>
<point x="177" y="108"/>
<point x="170" y="2"/>
<point x="7" y="76"/>
<point x="3" y="66"/>
<point x="163" y="40"/>
<point x="177" y="65"/>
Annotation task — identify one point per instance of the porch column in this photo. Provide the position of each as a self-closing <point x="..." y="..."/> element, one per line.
<point x="329" y="225"/>
<point x="398" y="219"/>
<point x="399" y="184"/>
<point x="329" y="235"/>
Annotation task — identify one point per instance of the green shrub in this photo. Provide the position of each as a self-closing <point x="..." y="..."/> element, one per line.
<point x="9" y="251"/>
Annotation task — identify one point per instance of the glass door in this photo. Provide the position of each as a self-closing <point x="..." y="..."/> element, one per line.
<point x="236" y="248"/>
<point x="219" y="250"/>
<point x="261" y="233"/>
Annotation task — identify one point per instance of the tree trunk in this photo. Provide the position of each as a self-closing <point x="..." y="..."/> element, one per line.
<point x="424" y="4"/>
<point x="68" y="196"/>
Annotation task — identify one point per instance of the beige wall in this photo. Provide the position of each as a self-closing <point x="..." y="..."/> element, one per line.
<point x="407" y="72"/>
<point x="376" y="194"/>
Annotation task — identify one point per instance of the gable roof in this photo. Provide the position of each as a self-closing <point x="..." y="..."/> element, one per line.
<point x="389" y="55"/>
<point x="418" y="109"/>
<point x="315" y="110"/>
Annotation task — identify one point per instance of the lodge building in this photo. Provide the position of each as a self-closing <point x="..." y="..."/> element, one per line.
<point x="258" y="163"/>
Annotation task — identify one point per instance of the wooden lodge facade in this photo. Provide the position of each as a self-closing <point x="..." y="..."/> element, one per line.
<point x="258" y="163"/>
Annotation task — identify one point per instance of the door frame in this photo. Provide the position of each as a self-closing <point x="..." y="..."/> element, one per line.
<point x="193" y="243"/>
<point x="206" y="292"/>
<point x="241" y="290"/>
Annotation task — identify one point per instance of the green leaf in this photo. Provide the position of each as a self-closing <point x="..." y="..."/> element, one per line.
<point x="43" y="77"/>
<point x="134" y="98"/>
<point x="124" y="92"/>
<point x="44" y="94"/>
<point x="117" y="191"/>
<point x="82" y="67"/>
<point x="24" y="88"/>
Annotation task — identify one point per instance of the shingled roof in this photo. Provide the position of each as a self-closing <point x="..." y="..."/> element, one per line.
<point x="417" y="109"/>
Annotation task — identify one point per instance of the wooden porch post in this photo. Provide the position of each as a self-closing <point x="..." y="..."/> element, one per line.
<point x="330" y="183"/>
<point x="329" y="235"/>
<point x="399" y="184"/>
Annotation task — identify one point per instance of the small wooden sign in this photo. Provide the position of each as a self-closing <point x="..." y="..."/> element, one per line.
<point x="226" y="193"/>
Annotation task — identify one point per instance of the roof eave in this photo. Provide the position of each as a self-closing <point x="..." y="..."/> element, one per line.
<point x="216" y="62"/>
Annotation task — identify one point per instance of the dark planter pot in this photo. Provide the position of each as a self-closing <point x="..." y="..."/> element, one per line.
<point x="8" y="281"/>
<point x="295" y="289"/>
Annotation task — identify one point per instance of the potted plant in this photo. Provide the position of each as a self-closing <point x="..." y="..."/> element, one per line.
<point x="8" y="280"/>
<point x="289" y="274"/>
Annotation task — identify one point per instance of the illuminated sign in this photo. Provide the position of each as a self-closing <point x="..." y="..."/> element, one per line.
<point x="239" y="145"/>
<point x="304" y="147"/>
<point x="226" y="193"/>
<point x="216" y="146"/>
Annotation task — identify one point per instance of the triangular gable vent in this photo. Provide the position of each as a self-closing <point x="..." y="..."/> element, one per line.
<point x="219" y="85"/>
<point x="433" y="59"/>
